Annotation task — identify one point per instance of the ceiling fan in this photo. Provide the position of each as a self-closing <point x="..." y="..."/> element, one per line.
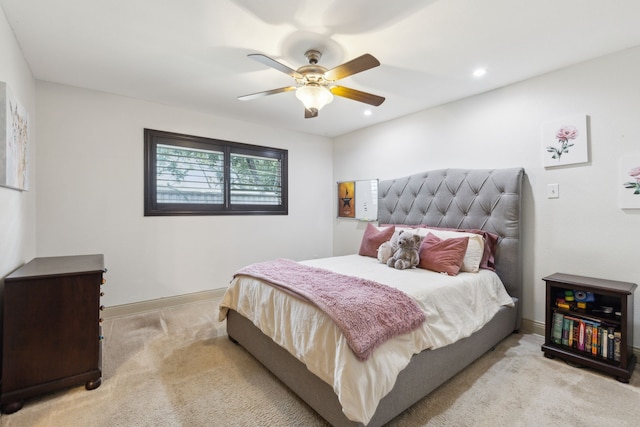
<point x="316" y="85"/>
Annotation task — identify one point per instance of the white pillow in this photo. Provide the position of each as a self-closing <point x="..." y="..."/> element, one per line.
<point x="475" y="248"/>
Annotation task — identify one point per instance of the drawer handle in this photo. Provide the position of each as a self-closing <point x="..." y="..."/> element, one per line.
<point x="101" y="294"/>
<point x="101" y="307"/>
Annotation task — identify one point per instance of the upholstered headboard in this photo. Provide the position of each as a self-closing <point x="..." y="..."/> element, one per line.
<point x="485" y="199"/>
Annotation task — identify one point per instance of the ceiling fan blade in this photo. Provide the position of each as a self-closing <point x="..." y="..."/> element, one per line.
<point x="265" y="93"/>
<point x="357" y="95"/>
<point x="275" y="64"/>
<point x="309" y="114"/>
<point x="352" y="67"/>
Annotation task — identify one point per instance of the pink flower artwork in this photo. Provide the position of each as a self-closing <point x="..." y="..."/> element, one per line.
<point x="635" y="185"/>
<point x="629" y="181"/>
<point x="566" y="133"/>
<point x="635" y="172"/>
<point x="563" y="135"/>
<point x="565" y="141"/>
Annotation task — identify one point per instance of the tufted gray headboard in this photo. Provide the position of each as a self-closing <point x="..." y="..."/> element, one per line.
<point x="485" y="199"/>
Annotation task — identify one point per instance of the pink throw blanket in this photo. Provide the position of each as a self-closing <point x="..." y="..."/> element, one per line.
<point x="367" y="313"/>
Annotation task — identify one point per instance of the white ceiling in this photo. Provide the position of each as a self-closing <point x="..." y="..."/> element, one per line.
<point x="193" y="53"/>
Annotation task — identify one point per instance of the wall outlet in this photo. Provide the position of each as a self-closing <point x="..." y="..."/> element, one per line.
<point x="553" y="191"/>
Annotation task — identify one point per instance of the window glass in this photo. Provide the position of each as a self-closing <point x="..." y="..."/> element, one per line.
<point x="256" y="180"/>
<point x="187" y="175"/>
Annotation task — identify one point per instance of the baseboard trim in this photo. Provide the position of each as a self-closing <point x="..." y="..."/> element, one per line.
<point x="160" y="303"/>
<point x="535" y="327"/>
<point x="532" y="327"/>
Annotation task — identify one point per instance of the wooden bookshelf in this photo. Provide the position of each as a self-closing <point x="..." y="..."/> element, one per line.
<point x="593" y="323"/>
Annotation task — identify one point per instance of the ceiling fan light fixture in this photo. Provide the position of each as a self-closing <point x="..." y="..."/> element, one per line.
<point x="314" y="97"/>
<point x="315" y="84"/>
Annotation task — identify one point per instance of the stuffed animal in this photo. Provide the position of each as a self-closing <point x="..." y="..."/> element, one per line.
<point x="387" y="249"/>
<point x="406" y="256"/>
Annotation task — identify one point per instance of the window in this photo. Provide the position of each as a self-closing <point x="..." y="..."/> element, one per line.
<point x="188" y="175"/>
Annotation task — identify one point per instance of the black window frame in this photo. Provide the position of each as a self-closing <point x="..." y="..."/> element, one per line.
<point x="152" y="208"/>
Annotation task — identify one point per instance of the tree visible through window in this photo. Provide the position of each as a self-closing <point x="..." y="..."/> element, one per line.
<point x="187" y="175"/>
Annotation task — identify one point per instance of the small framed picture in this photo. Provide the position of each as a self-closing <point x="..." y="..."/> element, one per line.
<point x="14" y="141"/>
<point x="565" y="141"/>
<point x="346" y="199"/>
<point x="629" y="182"/>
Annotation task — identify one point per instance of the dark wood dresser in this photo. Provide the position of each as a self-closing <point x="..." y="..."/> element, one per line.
<point x="51" y="334"/>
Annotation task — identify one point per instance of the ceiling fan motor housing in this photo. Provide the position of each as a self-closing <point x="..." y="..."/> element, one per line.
<point x="313" y="56"/>
<point x="312" y="74"/>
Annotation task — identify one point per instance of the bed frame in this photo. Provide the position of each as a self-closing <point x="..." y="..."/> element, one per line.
<point x="453" y="198"/>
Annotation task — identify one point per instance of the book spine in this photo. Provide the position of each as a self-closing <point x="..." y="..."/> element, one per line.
<point x="617" y="345"/>
<point x="576" y="332"/>
<point x="610" y="344"/>
<point x="571" y="323"/>
<point x="582" y="336"/>
<point x="565" y="331"/>
<point x="556" y="332"/>
<point x="603" y="342"/>
<point x="588" y="331"/>
<point x="595" y="340"/>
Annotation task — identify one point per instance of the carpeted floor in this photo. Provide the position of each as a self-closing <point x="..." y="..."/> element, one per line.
<point x="176" y="367"/>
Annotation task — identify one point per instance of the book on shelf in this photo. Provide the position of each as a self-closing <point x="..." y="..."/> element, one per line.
<point x="585" y="335"/>
<point x="573" y="330"/>
<point x="565" y="330"/>
<point x="581" y="335"/>
<point x="588" y="339"/>
<point x="617" y="345"/>
<point x="570" y="331"/>
<point x="556" y="327"/>
<point x="610" y="343"/>
<point x="595" y="339"/>
<point x="603" y="342"/>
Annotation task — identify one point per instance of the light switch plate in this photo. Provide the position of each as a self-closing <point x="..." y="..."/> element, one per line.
<point x="553" y="191"/>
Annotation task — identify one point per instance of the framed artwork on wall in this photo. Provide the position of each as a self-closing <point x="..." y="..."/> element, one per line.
<point x="565" y="141"/>
<point x="346" y="199"/>
<point x="629" y="182"/>
<point x="14" y="141"/>
<point x="358" y="199"/>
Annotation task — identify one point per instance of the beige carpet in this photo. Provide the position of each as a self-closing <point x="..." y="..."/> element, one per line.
<point x="176" y="367"/>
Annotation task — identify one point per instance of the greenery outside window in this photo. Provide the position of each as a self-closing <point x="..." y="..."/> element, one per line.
<point x="189" y="175"/>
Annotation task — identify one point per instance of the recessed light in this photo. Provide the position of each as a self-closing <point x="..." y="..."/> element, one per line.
<point x="479" y="72"/>
<point x="367" y="113"/>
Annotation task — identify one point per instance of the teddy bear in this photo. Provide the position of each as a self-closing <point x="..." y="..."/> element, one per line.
<point x="406" y="256"/>
<point x="387" y="249"/>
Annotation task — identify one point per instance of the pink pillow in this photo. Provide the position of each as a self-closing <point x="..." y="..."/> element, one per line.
<point x="373" y="238"/>
<point x="490" y="245"/>
<point x="442" y="256"/>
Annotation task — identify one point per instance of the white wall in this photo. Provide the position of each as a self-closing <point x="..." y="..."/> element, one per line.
<point x="17" y="209"/>
<point x="583" y="232"/>
<point x="90" y="198"/>
<point x="89" y="181"/>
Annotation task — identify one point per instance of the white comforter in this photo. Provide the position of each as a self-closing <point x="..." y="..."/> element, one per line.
<point x="455" y="308"/>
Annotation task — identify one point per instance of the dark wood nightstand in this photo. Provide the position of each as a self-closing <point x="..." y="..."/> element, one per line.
<point x="52" y="334"/>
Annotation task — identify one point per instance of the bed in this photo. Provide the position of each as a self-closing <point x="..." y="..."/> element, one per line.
<point x="483" y="200"/>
